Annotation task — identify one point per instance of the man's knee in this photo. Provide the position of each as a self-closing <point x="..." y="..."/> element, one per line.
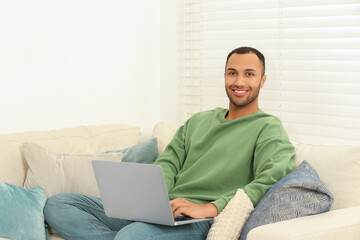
<point x="52" y="205"/>
<point x="55" y="205"/>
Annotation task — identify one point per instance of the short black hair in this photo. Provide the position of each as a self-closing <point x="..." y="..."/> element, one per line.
<point x="245" y="50"/>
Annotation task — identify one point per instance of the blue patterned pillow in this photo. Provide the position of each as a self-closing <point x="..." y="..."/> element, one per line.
<point x="21" y="212"/>
<point x="298" y="194"/>
<point x="144" y="152"/>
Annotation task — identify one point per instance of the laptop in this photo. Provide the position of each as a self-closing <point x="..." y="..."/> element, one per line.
<point x="135" y="191"/>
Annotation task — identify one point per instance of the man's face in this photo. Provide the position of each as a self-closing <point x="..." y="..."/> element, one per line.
<point x="243" y="80"/>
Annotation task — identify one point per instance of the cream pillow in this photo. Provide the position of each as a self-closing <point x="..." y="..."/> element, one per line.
<point x="58" y="173"/>
<point x="164" y="132"/>
<point x="338" y="168"/>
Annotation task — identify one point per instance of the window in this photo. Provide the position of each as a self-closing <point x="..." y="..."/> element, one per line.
<point x="312" y="51"/>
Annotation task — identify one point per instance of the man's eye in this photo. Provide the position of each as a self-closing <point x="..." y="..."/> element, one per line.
<point x="231" y="73"/>
<point x="249" y="74"/>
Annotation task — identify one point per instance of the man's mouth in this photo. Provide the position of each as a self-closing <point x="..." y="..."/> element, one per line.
<point x="239" y="92"/>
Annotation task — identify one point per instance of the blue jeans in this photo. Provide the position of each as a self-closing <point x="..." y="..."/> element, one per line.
<point x="81" y="217"/>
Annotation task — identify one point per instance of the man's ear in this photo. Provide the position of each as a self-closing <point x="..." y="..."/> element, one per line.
<point x="263" y="80"/>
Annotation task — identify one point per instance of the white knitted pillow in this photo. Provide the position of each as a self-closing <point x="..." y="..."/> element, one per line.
<point x="228" y="225"/>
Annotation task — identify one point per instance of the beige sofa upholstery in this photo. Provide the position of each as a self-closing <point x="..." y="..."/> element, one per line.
<point x="78" y="140"/>
<point x="338" y="168"/>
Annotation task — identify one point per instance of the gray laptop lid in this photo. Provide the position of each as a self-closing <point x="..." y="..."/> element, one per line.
<point x="135" y="191"/>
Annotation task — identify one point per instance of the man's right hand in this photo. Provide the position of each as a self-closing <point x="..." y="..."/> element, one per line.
<point x="193" y="210"/>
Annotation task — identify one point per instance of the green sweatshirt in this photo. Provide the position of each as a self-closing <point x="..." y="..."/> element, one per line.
<point x="210" y="157"/>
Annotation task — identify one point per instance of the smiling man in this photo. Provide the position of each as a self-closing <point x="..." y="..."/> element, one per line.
<point x="244" y="76"/>
<point x="216" y="156"/>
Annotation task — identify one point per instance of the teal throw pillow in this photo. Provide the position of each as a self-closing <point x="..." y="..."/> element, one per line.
<point x="144" y="152"/>
<point x="298" y="194"/>
<point x="21" y="212"/>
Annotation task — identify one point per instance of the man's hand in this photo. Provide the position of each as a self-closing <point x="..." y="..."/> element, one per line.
<point x="193" y="210"/>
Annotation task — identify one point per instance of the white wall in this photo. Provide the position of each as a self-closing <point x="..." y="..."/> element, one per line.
<point x="169" y="59"/>
<point x="78" y="62"/>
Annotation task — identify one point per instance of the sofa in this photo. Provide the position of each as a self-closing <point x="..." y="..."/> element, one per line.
<point x="58" y="160"/>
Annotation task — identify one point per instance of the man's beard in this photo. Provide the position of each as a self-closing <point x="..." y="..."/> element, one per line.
<point x="246" y="101"/>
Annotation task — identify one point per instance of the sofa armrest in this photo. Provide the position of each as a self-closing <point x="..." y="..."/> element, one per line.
<point x="338" y="224"/>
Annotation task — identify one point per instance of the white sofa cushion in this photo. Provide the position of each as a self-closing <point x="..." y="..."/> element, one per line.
<point x="59" y="173"/>
<point x="333" y="225"/>
<point x="77" y="140"/>
<point x="338" y="168"/>
<point x="164" y="132"/>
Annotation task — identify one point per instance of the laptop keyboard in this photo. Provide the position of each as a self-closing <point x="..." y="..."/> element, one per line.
<point x="181" y="218"/>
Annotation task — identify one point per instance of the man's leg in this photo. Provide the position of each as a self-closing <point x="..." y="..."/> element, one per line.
<point x="77" y="216"/>
<point x="146" y="231"/>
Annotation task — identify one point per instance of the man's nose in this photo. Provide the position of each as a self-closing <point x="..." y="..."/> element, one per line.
<point x="240" y="80"/>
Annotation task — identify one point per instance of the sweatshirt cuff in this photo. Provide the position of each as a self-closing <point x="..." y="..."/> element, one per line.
<point x="230" y="222"/>
<point x="220" y="204"/>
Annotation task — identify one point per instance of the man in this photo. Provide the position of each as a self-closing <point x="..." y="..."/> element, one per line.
<point x="211" y="156"/>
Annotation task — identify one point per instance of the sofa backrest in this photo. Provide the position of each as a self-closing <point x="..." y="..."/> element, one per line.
<point x="338" y="168"/>
<point x="77" y="140"/>
<point x="164" y="132"/>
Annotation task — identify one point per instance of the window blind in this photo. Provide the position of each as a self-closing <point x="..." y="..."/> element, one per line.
<point x="312" y="52"/>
